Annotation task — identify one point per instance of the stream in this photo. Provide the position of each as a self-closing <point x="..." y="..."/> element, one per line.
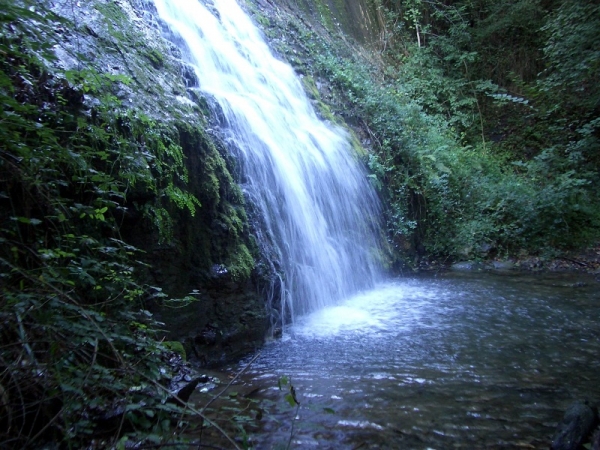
<point x="456" y="360"/>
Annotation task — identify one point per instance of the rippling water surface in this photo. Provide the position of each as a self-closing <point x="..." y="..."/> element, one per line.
<point x="454" y="361"/>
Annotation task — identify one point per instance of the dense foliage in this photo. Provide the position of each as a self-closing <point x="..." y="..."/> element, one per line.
<point x="82" y="363"/>
<point x="483" y="117"/>
<point x="517" y="83"/>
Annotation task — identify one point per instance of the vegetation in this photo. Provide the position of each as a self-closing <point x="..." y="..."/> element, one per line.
<point x="483" y="119"/>
<point x="525" y="111"/>
<point x="83" y="172"/>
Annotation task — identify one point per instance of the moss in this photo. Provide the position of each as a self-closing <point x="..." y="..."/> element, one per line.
<point x="357" y="146"/>
<point x="114" y="13"/>
<point x="108" y="162"/>
<point x="262" y="20"/>
<point x="310" y="87"/>
<point x="156" y="58"/>
<point x="198" y="98"/>
<point x="325" y="112"/>
<point x="211" y="186"/>
<point x="241" y="263"/>
<point x="177" y="347"/>
<point x="115" y="20"/>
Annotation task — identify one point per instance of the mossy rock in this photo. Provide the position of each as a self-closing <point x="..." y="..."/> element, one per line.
<point x="177" y="347"/>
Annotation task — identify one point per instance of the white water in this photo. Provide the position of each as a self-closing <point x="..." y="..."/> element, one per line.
<point x="317" y="205"/>
<point x="374" y="313"/>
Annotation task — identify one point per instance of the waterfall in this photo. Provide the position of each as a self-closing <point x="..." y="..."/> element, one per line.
<point x="317" y="205"/>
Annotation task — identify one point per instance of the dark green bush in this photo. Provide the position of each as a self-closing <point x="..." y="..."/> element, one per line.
<point x="79" y="357"/>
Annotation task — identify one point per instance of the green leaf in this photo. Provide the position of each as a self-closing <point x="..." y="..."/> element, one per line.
<point x="283" y="381"/>
<point x="290" y="399"/>
<point x="121" y="445"/>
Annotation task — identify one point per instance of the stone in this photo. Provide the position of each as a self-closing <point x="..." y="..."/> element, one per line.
<point x="503" y="265"/>
<point x="467" y="266"/>
<point x="576" y="426"/>
<point x="596" y="440"/>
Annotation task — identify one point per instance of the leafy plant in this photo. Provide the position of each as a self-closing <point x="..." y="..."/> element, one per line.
<point x="79" y="357"/>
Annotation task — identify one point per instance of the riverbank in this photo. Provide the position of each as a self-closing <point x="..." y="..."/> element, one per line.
<point x="581" y="261"/>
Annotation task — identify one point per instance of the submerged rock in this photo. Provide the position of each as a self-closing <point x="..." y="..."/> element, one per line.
<point x="576" y="426"/>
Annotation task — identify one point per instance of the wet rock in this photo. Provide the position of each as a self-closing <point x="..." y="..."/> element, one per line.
<point x="467" y="266"/>
<point x="207" y="337"/>
<point x="183" y="395"/>
<point x="189" y="76"/>
<point x="503" y="265"/>
<point x="596" y="440"/>
<point x="576" y="426"/>
<point x="277" y="332"/>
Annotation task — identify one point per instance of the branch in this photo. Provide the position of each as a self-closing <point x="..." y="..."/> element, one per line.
<point x="192" y="409"/>
<point x="231" y="382"/>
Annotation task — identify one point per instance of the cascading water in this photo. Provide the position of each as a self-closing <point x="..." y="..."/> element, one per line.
<point x="315" y="200"/>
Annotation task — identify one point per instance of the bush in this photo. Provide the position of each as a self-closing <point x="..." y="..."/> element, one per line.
<point x="79" y="357"/>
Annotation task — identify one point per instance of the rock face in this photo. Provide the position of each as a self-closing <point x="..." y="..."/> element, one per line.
<point x="123" y="40"/>
<point x="356" y="18"/>
<point x="576" y="426"/>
